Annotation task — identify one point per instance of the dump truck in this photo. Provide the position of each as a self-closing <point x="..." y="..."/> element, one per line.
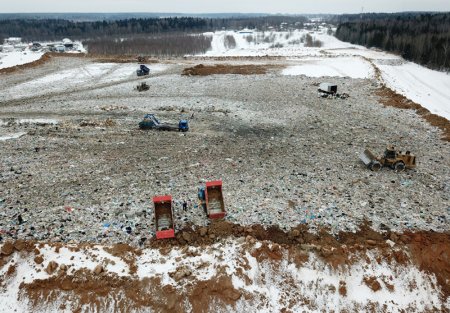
<point x="151" y="122"/>
<point x="164" y="217"/>
<point x="143" y="70"/>
<point x="142" y="87"/>
<point x="392" y="158"/>
<point x="211" y="199"/>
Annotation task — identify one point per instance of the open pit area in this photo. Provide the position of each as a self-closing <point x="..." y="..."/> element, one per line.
<point x="79" y="171"/>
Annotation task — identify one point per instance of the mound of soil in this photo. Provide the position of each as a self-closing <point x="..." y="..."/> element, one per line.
<point x="86" y="288"/>
<point x="431" y="252"/>
<point x="204" y="70"/>
<point x="99" y="290"/>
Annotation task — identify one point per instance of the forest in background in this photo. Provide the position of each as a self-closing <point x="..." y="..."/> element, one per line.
<point x="165" y="37"/>
<point x="56" y="29"/>
<point x="423" y="38"/>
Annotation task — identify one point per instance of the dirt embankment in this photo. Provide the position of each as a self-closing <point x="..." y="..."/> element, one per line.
<point x="429" y="251"/>
<point x="393" y="99"/>
<point x="205" y="70"/>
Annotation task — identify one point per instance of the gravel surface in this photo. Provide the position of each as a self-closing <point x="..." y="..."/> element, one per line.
<point x="81" y="169"/>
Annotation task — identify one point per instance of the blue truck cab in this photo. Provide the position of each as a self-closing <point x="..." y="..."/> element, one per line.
<point x="183" y="125"/>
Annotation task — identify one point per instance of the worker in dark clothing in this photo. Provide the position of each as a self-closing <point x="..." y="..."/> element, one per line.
<point x="20" y="219"/>
<point x="184" y="205"/>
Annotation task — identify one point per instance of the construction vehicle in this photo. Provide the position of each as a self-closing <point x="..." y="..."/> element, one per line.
<point x="394" y="159"/>
<point x="211" y="199"/>
<point x="143" y="70"/>
<point x="151" y="122"/>
<point x="164" y="217"/>
<point x="142" y="87"/>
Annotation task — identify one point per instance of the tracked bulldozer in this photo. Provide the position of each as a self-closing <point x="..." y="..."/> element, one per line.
<point x="391" y="158"/>
<point x="142" y="87"/>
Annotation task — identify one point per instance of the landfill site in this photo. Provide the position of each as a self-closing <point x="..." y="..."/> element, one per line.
<point x="312" y="210"/>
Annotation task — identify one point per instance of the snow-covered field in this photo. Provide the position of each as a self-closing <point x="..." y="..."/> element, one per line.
<point x="81" y="77"/>
<point x="336" y="58"/>
<point x="333" y="67"/>
<point x="9" y="59"/>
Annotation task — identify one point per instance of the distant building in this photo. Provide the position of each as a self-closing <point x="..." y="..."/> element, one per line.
<point x="7" y="48"/>
<point x="60" y="48"/>
<point x="246" y="31"/>
<point x="13" y="41"/>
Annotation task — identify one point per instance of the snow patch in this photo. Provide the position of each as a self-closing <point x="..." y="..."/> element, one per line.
<point x="340" y="67"/>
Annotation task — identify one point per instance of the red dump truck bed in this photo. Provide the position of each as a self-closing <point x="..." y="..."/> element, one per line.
<point x="214" y="199"/>
<point x="164" y="217"/>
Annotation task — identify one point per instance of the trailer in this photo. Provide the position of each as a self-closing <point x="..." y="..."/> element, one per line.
<point x="151" y="122"/>
<point x="328" y="88"/>
<point x="211" y="199"/>
<point x="165" y="227"/>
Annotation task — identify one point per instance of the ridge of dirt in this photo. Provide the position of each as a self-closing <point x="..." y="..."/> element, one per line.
<point x="430" y="251"/>
<point x="390" y="98"/>
<point x="85" y="288"/>
<point x="205" y="70"/>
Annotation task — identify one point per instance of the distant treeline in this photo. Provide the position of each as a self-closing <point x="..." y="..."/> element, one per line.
<point x="54" y="29"/>
<point x="423" y="38"/>
<point x="164" y="45"/>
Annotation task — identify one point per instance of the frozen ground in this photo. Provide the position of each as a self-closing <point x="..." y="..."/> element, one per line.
<point x="260" y="277"/>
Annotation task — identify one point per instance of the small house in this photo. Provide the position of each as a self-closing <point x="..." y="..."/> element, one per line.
<point x="60" y="48"/>
<point x="13" y="41"/>
<point x="8" y="48"/>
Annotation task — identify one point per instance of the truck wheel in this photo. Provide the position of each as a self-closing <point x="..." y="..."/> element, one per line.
<point x="399" y="166"/>
<point x="375" y="166"/>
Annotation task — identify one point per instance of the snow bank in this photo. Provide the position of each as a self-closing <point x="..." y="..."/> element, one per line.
<point x="429" y="88"/>
<point x="341" y="67"/>
<point x="14" y="58"/>
<point x="12" y="136"/>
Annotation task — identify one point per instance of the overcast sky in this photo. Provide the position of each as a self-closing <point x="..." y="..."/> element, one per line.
<point x="216" y="6"/>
